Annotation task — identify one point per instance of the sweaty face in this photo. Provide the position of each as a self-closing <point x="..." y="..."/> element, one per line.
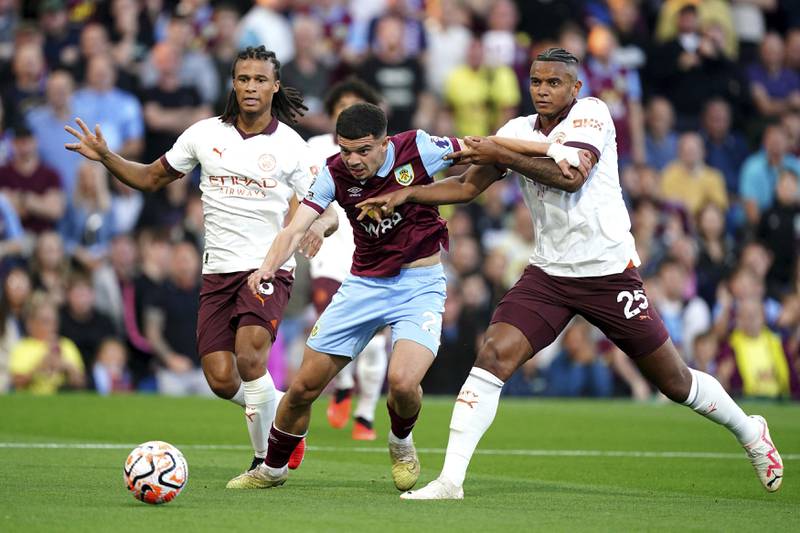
<point x="254" y="84"/>
<point x="363" y="157"/>
<point x="553" y="86"/>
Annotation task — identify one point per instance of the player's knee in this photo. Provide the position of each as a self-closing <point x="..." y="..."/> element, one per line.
<point x="301" y="393"/>
<point x="490" y="358"/>
<point x="677" y="385"/>
<point x="251" y="363"/>
<point x="223" y="385"/>
<point x="402" y="387"/>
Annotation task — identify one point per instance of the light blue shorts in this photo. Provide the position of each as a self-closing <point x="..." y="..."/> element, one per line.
<point x="411" y="302"/>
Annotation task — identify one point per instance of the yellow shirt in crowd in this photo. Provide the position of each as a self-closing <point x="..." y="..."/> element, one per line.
<point x="475" y="96"/>
<point x="762" y="364"/>
<point x="29" y="353"/>
<point x="693" y="191"/>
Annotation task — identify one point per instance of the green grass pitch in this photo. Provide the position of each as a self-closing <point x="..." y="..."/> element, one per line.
<point x="545" y="465"/>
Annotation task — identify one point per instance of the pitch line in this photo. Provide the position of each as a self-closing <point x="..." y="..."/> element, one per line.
<point x="365" y="449"/>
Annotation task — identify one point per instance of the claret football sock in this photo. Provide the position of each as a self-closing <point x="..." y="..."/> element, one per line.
<point x="401" y="427"/>
<point x="259" y="396"/>
<point x="281" y="446"/>
<point x="473" y="413"/>
<point x="708" y="398"/>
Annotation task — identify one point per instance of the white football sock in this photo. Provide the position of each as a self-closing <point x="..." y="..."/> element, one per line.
<point x="344" y="379"/>
<point x="371" y="371"/>
<point x="238" y="398"/>
<point x="473" y="413"/>
<point x="259" y="411"/>
<point x="708" y="398"/>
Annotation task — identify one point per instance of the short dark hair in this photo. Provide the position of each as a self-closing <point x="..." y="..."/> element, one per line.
<point x="559" y="55"/>
<point x="351" y="85"/>
<point x="20" y="130"/>
<point x="361" y="120"/>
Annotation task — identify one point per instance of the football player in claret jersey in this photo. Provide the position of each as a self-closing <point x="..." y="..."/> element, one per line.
<point x="396" y="279"/>
<point x="584" y="262"/>
<point x="254" y="168"/>
<point x="329" y="267"/>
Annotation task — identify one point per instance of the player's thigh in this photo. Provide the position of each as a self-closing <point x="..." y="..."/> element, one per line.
<point x="619" y="307"/>
<point x="414" y="308"/>
<point x="316" y="371"/>
<point x="408" y="364"/>
<point x="355" y="313"/>
<point x="215" y="332"/>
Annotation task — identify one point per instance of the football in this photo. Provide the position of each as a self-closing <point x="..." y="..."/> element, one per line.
<point x="155" y="472"/>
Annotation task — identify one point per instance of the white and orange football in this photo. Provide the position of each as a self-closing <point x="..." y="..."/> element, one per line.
<point x="155" y="472"/>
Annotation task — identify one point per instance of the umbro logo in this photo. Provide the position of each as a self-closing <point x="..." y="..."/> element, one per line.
<point x="355" y="191"/>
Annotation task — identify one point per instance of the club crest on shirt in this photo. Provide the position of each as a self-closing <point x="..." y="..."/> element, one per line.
<point x="314" y="330"/>
<point x="404" y="175"/>
<point x="266" y="162"/>
<point x="560" y="137"/>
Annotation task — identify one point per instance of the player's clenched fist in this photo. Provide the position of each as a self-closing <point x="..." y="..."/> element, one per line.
<point x="382" y="206"/>
<point x="90" y="145"/>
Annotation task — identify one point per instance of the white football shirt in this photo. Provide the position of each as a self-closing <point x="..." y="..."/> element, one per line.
<point x="336" y="254"/>
<point x="247" y="182"/>
<point x="585" y="233"/>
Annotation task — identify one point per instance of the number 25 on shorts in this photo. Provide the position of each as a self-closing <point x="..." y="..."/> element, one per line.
<point x="635" y="302"/>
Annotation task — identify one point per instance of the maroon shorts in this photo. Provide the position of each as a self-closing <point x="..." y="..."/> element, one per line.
<point x="227" y="304"/>
<point x="540" y="306"/>
<point x="322" y="291"/>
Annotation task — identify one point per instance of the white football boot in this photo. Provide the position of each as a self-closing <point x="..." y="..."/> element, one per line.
<point x="765" y="458"/>
<point x="438" y="489"/>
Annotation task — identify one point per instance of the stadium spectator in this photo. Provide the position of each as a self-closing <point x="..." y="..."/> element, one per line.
<point x="685" y="318"/>
<point x="170" y="325"/>
<point x="308" y="73"/>
<point x="749" y="21"/>
<point x="33" y="188"/>
<point x="88" y="224"/>
<point x="43" y="362"/>
<point x="481" y="97"/>
<point x="50" y="266"/>
<point x="579" y="369"/>
<point x="118" y="112"/>
<point x="47" y="123"/>
<point x="791" y="123"/>
<point x="760" y="171"/>
<point x="9" y="20"/>
<point x="60" y="36"/>
<point x="399" y="77"/>
<point x="689" y="182"/>
<point x="81" y="322"/>
<point x="109" y="372"/>
<point x="516" y="241"/>
<point x="646" y="225"/>
<point x="12" y="237"/>
<point x="14" y="297"/>
<point x="502" y="44"/>
<point x="621" y="90"/>
<point x="716" y="254"/>
<point x="265" y="25"/>
<point x="26" y="90"/>
<point x="127" y="204"/>
<point x="706" y="352"/>
<point x="661" y="140"/>
<point x="573" y="39"/>
<point x="449" y="39"/>
<point x="113" y="284"/>
<point x="128" y="35"/>
<point x="94" y="42"/>
<point x="408" y="13"/>
<point x="725" y="148"/>
<point x="779" y="230"/>
<point x="775" y="88"/>
<point x="630" y="29"/>
<point x="223" y="49"/>
<point x="753" y="361"/>
<point x="196" y="66"/>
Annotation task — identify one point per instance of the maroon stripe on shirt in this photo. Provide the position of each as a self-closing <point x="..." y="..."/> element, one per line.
<point x="584" y="146"/>
<point x="312" y="205"/>
<point x="456" y="145"/>
<point x="169" y="167"/>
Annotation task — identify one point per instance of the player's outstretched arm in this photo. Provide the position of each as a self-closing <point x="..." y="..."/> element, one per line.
<point x="284" y="245"/>
<point x="92" y="145"/>
<point x="547" y="172"/>
<point x="453" y="190"/>
<point x="325" y="226"/>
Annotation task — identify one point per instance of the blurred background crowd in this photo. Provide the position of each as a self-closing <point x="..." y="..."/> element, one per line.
<point x="100" y="282"/>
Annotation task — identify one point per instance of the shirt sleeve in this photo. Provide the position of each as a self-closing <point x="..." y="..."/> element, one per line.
<point x="589" y="125"/>
<point x="182" y="157"/>
<point x="432" y="149"/>
<point x="304" y="173"/>
<point x="321" y="192"/>
<point x="13" y="226"/>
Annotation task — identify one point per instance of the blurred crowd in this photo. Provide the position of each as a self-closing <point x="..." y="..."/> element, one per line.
<point x="100" y="282"/>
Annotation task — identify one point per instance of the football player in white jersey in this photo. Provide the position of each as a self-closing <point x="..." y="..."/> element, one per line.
<point x="329" y="267"/>
<point x="254" y="169"/>
<point x="584" y="262"/>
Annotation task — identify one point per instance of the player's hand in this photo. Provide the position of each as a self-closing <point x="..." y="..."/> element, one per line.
<point x="90" y="145"/>
<point x="478" y="151"/>
<point x="311" y="241"/>
<point x="257" y="277"/>
<point x="379" y="207"/>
